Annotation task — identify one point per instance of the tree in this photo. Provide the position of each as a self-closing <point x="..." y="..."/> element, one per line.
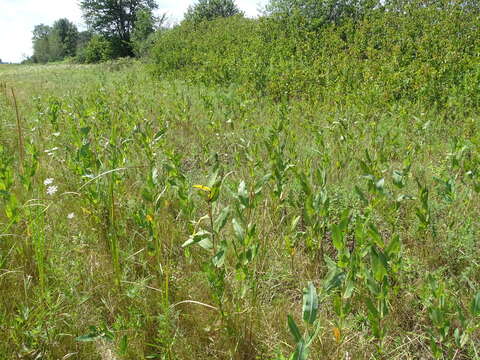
<point x="145" y="26"/>
<point x="211" y="9"/>
<point x="66" y="33"/>
<point x="115" y="19"/>
<point x="53" y="43"/>
<point x="41" y="43"/>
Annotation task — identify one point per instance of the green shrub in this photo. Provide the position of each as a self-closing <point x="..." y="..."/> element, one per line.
<point x="421" y="54"/>
<point x="97" y="49"/>
<point x="212" y="52"/>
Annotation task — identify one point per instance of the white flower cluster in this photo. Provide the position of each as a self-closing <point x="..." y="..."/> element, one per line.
<point x="51" y="189"/>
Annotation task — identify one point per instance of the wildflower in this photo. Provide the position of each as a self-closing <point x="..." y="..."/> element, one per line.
<point x="51" y="150"/>
<point x="202" y="187"/>
<point x="52" y="189"/>
<point x="70" y="216"/>
<point x="48" y="181"/>
<point x="337" y="334"/>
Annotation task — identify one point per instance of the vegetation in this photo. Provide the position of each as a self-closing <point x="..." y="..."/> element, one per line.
<point x="288" y="187"/>
<point x="115" y="29"/>
<point x="205" y="10"/>
<point x="54" y="43"/>
<point x="115" y="20"/>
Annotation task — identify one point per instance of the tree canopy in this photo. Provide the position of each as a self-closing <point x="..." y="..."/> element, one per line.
<point x="115" y="19"/>
<point x="67" y="34"/>
<point x="53" y="43"/>
<point x="211" y="9"/>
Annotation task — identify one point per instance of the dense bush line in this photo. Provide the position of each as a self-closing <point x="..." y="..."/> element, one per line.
<point x="420" y="53"/>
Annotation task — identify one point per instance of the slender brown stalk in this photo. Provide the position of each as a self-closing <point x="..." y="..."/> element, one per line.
<point x="21" y="150"/>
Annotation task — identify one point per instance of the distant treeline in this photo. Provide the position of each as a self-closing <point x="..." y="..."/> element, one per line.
<point x="115" y="29"/>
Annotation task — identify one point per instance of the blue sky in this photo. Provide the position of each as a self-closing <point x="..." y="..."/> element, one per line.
<point x="18" y="17"/>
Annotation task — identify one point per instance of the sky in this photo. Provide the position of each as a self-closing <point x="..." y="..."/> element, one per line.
<point x="18" y="18"/>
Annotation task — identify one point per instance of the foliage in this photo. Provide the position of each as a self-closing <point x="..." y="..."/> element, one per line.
<point x="205" y="10"/>
<point x="41" y="47"/>
<point x="212" y="52"/>
<point x="180" y="215"/>
<point x="314" y="14"/>
<point x="97" y="49"/>
<point x="115" y="19"/>
<point x="143" y="34"/>
<point x="67" y="34"/>
<point x="417" y="55"/>
<point x="54" y="43"/>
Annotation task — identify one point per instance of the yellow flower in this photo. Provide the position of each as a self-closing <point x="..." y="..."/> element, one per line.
<point x="202" y="187"/>
<point x="337" y="334"/>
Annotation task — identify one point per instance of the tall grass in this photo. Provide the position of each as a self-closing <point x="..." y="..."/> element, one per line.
<point x="188" y="215"/>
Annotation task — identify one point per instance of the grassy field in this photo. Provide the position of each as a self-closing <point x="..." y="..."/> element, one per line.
<point x="153" y="219"/>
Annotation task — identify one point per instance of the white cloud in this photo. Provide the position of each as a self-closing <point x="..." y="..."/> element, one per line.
<point x="18" y="18"/>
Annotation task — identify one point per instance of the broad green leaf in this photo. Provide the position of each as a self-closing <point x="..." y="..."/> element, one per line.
<point x="251" y="230"/>
<point x="251" y="253"/>
<point x="206" y="243"/>
<point x="345" y="220"/>
<point x="147" y="194"/>
<point x="310" y="303"/>
<point x="331" y="265"/>
<point x="379" y="264"/>
<point x="221" y="220"/>
<point x="337" y="237"/>
<point x="242" y="195"/>
<point x="213" y="179"/>
<point x="85" y="130"/>
<point x="394" y="247"/>
<point x="349" y="287"/>
<point x="123" y="345"/>
<point x="238" y="229"/>
<point x="375" y="235"/>
<point x="398" y="179"/>
<point x="219" y="258"/>
<point x="197" y="237"/>
<point x="294" y="329"/>
<point x="475" y="305"/>
<point x="334" y="280"/>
